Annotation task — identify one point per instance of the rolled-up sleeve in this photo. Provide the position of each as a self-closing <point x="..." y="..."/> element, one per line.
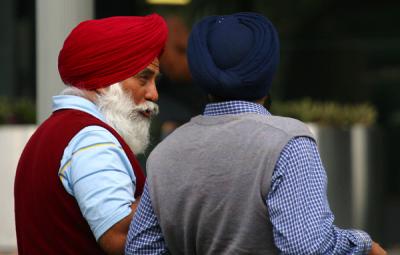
<point x="96" y="171"/>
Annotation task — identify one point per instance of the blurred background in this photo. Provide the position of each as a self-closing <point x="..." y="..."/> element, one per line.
<point x="339" y="71"/>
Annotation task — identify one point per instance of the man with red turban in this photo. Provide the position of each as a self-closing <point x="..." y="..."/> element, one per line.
<point x="78" y="181"/>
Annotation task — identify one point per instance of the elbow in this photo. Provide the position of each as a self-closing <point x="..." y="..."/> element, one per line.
<point x="114" y="245"/>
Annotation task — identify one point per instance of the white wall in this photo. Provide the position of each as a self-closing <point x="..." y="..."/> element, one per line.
<point x="13" y="139"/>
<point x="54" y="20"/>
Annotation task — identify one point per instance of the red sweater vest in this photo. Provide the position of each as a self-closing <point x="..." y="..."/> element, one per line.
<point x="48" y="219"/>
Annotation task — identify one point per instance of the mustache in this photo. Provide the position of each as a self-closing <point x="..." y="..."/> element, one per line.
<point x="149" y="108"/>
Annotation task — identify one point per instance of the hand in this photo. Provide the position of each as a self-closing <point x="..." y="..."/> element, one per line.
<point x="376" y="249"/>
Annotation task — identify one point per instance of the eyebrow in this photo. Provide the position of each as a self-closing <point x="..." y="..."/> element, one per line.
<point x="148" y="72"/>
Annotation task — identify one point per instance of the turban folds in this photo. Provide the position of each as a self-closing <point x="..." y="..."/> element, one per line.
<point x="98" y="53"/>
<point x="234" y="56"/>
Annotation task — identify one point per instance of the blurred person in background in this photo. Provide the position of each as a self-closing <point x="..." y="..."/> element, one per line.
<point x="237" y="180"/>
<point x="179" y="99"/>
<point x="78" y="182"/>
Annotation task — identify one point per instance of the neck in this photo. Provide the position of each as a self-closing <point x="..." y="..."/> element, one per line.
<point x="91" y="95"/>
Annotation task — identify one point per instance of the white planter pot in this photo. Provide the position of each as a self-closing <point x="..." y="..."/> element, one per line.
<point x="12" y="139"/>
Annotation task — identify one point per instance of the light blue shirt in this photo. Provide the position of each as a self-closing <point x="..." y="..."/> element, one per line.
<point x="95" y="170"/>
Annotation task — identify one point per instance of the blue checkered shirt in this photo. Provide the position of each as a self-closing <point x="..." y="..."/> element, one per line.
<point x="297" y="203"/>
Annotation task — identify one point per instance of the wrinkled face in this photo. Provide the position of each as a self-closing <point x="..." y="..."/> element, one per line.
<point x="129" y="105"/>
<point x="142" y="86"/>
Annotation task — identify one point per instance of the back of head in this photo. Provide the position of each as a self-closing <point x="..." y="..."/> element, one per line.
<point x="234" y="56"/>
<point x="98" y="53"/>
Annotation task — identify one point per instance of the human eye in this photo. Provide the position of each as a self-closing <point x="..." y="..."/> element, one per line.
<point x="142" y="78"/>
<point x="146" y="76"/>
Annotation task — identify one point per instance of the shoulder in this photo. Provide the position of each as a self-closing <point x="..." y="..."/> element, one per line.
<point x="287" y="125"/>
<point x="93" y="149"/>
<point x="284" y="125"/>
<point x="92" y="135"/>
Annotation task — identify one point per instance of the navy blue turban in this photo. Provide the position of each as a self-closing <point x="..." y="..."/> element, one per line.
<point x="234" y="56"/>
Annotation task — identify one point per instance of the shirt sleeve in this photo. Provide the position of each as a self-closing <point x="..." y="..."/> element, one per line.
<point x="299" y="209"/>
<point x="145" y="236"/>
<point x="96" y="171"/>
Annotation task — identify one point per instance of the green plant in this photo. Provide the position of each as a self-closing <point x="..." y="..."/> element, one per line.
<point x="327" y="113"/>
<point x="17" y="111"/>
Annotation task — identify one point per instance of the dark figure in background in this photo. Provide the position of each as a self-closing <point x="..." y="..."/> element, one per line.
<point x="237" y="180"/>
<point x="179" y="99"/>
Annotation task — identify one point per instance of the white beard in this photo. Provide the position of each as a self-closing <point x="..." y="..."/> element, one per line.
<point x="124" y="116"/>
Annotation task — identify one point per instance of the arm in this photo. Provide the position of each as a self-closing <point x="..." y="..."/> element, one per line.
<point x="299" y="210"/>
<point x="377" y="250"/>
<point x="113" y="240"/>
<point x="145" y="236"/>
<point x="99" y="175"/>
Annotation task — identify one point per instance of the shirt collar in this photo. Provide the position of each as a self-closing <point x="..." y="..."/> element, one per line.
<point x="76" y="103"/>
<point x="234" y="107"/>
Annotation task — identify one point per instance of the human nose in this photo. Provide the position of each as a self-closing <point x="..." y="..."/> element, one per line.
<point x="152" y="93"/>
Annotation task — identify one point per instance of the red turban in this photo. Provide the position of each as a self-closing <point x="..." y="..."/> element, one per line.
<point x="99" y="53"/>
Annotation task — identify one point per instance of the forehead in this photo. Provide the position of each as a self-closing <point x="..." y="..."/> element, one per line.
<point x="155" y="65"/>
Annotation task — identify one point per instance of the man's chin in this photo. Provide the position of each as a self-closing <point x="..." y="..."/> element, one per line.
<point x="138" y="146"/>
<point x="138" y="136"/>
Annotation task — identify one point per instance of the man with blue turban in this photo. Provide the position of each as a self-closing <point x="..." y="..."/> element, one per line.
<point x="237" y="180"/>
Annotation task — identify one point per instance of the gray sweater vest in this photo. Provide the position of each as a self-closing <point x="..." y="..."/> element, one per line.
<point x="208" y="182"/>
